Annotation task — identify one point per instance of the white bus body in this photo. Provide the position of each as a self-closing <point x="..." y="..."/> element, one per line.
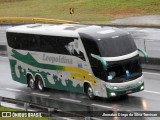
<point x="99" y="61"/>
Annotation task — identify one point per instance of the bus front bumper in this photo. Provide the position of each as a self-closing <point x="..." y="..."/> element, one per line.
<point x="129" y="90"/>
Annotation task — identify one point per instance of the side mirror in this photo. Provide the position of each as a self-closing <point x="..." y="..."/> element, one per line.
<point x="145" y="54"/>
<point x="104" y="63"/>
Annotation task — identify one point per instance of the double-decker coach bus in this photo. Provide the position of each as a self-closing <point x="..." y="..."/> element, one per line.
<point x="96" y="60"/>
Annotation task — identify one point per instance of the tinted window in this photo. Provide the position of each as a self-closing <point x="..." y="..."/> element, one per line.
<point x="22" y="41"/>
<point x="41" y="43"/>
<point x="54" y="44"/>
<point x="118" y="46"/>
<point x="92" y="48"/>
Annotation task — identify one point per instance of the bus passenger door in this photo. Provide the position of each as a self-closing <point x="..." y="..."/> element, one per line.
<point x="100" y="73"/>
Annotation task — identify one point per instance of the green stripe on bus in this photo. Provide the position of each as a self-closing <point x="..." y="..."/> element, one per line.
<point x="28" y="59"/>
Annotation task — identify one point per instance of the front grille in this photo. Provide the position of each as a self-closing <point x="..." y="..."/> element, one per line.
<point x="127" y="86"/>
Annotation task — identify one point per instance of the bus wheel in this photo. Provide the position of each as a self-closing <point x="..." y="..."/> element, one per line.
<point x="31" y="83"/>
<point x="90" y="92"/>
<point x="40" y="84"/>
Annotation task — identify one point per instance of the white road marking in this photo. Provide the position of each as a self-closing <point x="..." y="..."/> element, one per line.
<point x="148" y="30"/>
<point x="115" y="36"/>
<point x="151" y="91"/>
<point x="70" y="100"/>
<point x="10" y="89"/>
<point x="3" y="42"/>
<point x="65" y="118"/>
<point x="94" y="118"/>
<point x="102" y="106"/>
<point x="40" y="94"/>
<point x="4" y="59"/>
<point x="152" y="40"/>
<point x="151" y="73"/>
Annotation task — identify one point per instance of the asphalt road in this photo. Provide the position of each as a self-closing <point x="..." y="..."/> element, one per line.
<point x="142" y="20"/>
<point x="147" y="100"/>
<point x="3" y="40"/>
<point x="145" y="38"/>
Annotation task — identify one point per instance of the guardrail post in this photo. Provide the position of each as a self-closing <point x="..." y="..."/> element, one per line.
<point x="145" y="45"/>
<point x="89" y="112"/>
<point x="50" y="110"/>
<point x="26" y="105"/>
<point x="1" y="98"/>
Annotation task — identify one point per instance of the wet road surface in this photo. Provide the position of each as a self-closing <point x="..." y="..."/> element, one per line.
<point x="147" y="100"/>
<point x="148" y="19"/>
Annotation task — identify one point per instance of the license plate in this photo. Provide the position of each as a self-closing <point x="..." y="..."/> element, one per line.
<point x="129" y="91"/>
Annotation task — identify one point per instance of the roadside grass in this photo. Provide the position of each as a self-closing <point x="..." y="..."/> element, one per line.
<point x="18" y="118"/>
<point x="85" y="11"/>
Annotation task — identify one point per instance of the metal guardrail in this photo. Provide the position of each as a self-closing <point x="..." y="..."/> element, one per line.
<point x="58" y="108"/>
<point x="18" y="20"/>
<point x="45" y="111"/>
<point x="150" y="46"/>
<point x="91" y="113"/>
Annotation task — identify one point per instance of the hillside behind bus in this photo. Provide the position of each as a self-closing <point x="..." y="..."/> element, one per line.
<point x="85" y="11"/>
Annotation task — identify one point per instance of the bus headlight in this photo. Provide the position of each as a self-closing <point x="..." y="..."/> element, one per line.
<point x="142" y="87"/>
<point x="113" y="94"/>
<point x="115" y="88"/>
<point x="111" y="87"/>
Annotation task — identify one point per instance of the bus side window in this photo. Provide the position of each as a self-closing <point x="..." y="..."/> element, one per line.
<point x="47" y="44"/>
<point x="61" y="43"/>
<point x="13" y="40"/>
<point x="30" y="42"/>
<point x="42" y="43"/>
<point x="25" y="41"/>
<point x="96" y="65"/>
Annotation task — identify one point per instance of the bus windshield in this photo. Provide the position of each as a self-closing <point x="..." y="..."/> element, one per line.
<point x="123" y="71"/>
<point x="116" y="46"/>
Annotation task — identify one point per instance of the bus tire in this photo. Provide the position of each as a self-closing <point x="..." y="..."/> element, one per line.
<point x="31" y="83"/>
<point x="89" y="92"/>
<point x="40" y="84"/>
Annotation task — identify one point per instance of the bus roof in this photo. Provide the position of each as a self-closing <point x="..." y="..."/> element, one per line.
<point x="69" y="30"/>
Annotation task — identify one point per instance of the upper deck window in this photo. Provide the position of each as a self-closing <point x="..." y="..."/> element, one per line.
<point x="116" y="46"/>
<point x="41" y="43"/>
